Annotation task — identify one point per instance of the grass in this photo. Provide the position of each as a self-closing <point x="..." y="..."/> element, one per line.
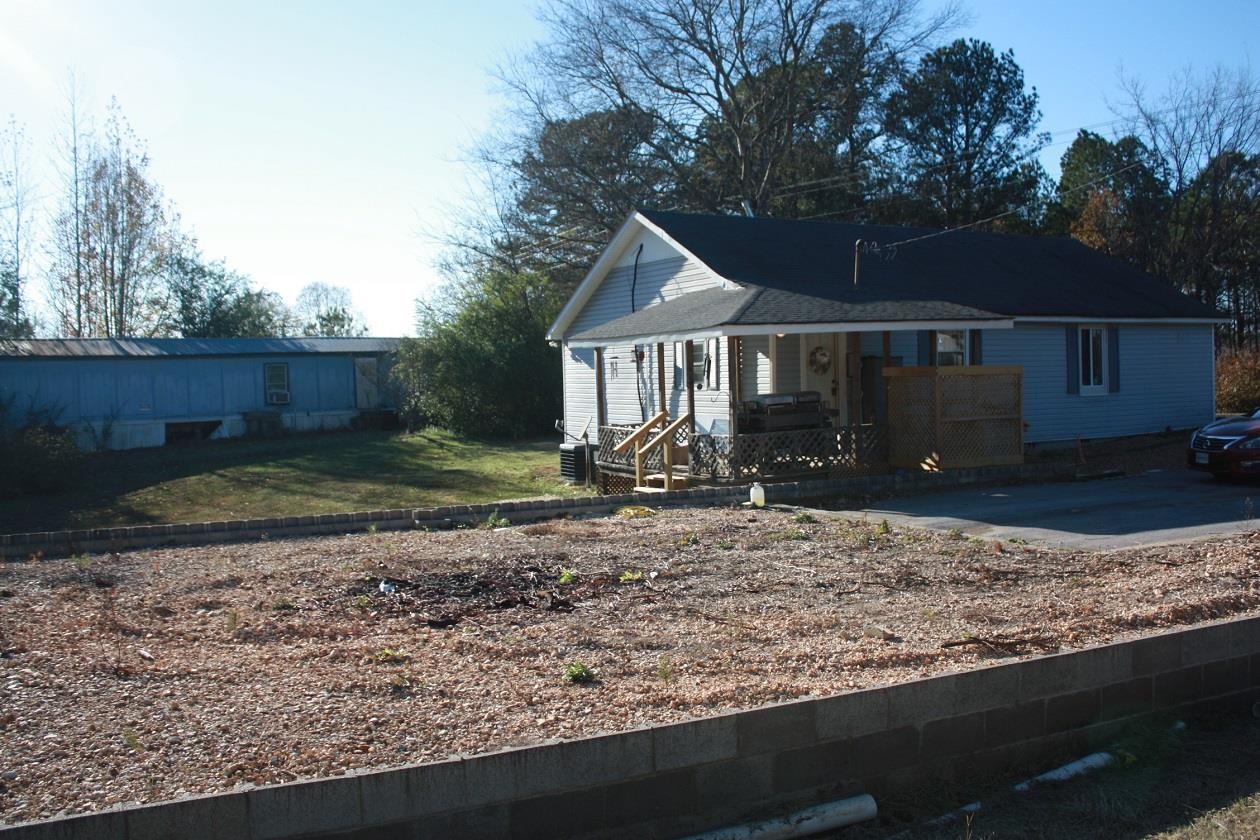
<point x="334" y="472"/>
<point x="1203" y="784"/>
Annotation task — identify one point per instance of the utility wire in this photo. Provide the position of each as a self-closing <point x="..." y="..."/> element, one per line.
<point x="1004" y="213"/>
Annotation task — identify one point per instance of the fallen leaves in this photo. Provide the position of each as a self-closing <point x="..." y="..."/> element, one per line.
<point x="465" y="649"/>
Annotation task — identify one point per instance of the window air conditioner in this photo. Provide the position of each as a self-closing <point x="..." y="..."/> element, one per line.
<point x="277" y="398"/>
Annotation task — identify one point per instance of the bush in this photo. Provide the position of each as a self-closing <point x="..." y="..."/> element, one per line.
<point x="1238" y="381"/>
<point x="37" y="459"/>
<point x="482" y="366"/>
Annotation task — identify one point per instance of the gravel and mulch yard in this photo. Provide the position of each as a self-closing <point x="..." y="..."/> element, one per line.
<point x="154" y="674"/>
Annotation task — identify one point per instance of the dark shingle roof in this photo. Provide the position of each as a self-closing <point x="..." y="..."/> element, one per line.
<point x="807" y="270"/>
<point x="699" y="312"/>
<point x="695" y="312"/>
<point x="68" y="348"/>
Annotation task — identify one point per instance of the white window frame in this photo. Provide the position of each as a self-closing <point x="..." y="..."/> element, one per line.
<point x="276" y="383"/>
<point x="964" y="353"/>
<point x="708" y="349"/>
<point x="1092" y="360"/>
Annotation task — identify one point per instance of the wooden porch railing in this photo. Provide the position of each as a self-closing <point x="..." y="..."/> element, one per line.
<point x="663" y="441"/>
<point x="846" y="450"/>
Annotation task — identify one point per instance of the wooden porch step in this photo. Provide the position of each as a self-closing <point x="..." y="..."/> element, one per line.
<point x="655" y="482"/>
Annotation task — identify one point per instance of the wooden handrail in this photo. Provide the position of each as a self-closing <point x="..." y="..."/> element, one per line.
<point x="639" y="433"/>
<point x="666" y="434"/>
<point x="664" y="438"/>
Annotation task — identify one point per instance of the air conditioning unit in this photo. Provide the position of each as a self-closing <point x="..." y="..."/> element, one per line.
<point x="277" y="398"/>
<point x="574" y="461"/>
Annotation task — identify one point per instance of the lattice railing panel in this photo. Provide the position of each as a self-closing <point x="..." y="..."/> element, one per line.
<point x="911" y="419"/>
<point x="981" y="441"/>
<point x="746" y="457"/>
<point x="611" y="483"/>
<point x="610" y="437"/>
<point x="968" y="397"/>
<point x="955" y="417"/>
<point x="710" y="456"/>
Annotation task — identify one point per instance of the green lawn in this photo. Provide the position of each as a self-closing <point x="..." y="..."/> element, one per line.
<point x="296" y="475"/>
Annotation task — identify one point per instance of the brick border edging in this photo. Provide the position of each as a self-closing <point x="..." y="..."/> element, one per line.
<point x="125" y="538"/>
<point x="682" y="778"/>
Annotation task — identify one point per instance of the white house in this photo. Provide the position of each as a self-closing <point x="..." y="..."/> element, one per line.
<point x="779" y="343"/>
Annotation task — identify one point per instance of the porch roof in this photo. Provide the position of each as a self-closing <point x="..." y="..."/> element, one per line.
<point x="754" y="310"/>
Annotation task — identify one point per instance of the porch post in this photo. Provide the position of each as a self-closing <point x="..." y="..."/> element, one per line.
<point x="853" y="370"/>
<point x="734" y="351"/>
<point x="601" y="403"/>
<point x="689" y="350"/>
<point x="663" y="405"/>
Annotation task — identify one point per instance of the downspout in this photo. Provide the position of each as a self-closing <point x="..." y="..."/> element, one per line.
<point x="638" y="358"/>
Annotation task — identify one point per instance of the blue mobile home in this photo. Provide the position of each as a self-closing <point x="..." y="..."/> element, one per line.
<point x="782" y="347"/>
<point x="127" y="393"/>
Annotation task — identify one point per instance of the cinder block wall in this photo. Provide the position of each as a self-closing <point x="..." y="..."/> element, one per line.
<point x="670" y="781"/>
<point x="65" y="543"/>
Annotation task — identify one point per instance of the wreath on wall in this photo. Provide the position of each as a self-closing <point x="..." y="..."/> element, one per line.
<point x="819" y="360"/>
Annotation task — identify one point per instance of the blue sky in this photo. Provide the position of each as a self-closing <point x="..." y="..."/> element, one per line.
<point x="317" y="141"/>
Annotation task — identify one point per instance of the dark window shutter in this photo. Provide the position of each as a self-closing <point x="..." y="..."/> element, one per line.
<point x="1073" y="336"/>
<point x="927" y="348"/>
<point x="1113" y="359"/>
<point x="976" y="339"/>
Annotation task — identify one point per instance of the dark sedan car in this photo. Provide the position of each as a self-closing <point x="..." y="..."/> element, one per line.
<point x="1228" y="447"/>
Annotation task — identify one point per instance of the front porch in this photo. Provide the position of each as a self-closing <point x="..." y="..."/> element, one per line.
<point x="855" y="409"/>
<point x="939" y="418"/>
<point x="752" y="456"/>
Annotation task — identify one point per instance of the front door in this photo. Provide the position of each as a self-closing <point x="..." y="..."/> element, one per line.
<point x="822" y="370"/>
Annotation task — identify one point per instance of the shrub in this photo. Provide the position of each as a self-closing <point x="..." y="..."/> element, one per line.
<point x="1238" y="381"/>
<point x="38" y="459"/>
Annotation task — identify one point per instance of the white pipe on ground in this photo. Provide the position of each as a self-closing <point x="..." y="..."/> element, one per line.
<point x="1093" y="761"/>
<point x="825" y="817"/>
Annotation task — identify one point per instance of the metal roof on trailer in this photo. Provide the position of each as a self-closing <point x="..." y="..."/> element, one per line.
<point x="82" y="348"/>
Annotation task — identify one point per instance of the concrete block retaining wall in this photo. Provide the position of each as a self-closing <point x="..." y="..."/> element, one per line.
<point x="670" y="781"/>
<point x="96" y="540"/>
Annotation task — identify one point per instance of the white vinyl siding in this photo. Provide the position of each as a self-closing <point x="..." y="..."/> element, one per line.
<point x="757" y="376"/>
<point x="622" y="385"/>
<point x="787" y="364"/>
<point x="631" y="389"/>
<point x="657" y="282"/>
<point x="579" y="388"/>
<point x="1166" y="381"/>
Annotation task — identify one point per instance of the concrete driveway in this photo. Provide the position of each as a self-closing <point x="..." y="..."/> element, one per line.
<point x="1166" y="506"/>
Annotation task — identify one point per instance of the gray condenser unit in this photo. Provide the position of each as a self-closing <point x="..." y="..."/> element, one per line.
<point x="573" y="462"/>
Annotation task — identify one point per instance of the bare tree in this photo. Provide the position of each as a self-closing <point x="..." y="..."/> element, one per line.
<point x="126" y="234"/>
<point x="725" y="83"/>
<point x="70" y="295"/>
<point x="323" y="310"/>
<point x="15" y="218"/>
<point x="1204" y="133"/>
<point x="111" y="238"/>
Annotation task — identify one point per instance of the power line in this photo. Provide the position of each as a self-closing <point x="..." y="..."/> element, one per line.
<point x="1009" y="212"/>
